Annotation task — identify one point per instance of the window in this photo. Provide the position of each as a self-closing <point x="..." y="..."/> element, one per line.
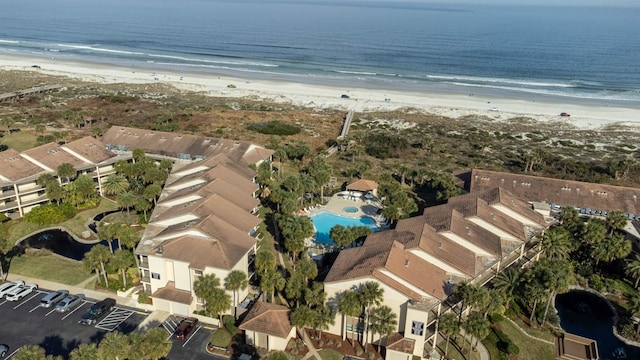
<point x="197" y="272"/>
<point x="417" y="328"/>
<point x="155" y="276"/>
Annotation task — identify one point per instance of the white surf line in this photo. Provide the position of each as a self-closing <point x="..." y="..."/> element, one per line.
<point x="192" y="335"/>
<point x="22" y="303"/>
<point x="72" y="311"/>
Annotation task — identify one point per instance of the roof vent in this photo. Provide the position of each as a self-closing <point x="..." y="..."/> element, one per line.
<point x="406" y="262"/>
<point x="160" y="250"/>
<point x="468" y="230"/>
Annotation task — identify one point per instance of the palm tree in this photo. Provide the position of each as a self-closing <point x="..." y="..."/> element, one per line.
<point x="127" y="236"/>
<point x="114" y="345"/>
<point x="613" y="248"/>
<point x="633" y="304"/>
<point x="370" y="295"/>
<point x="593" y="231"/>
<point x="558" y="278"/>
<point x="115" y="184"/>
<point x="507" y="283"/>
<point x="143" y="205"/>
<point x="632" y="269"/>
<point x="85" y="352"/>
<point x="295" y="287"/>
<point x="151" y="192"/>
<point x="122" y="260"/>
<point x="218" y="302"/>
<point x="307" y="268"/>
<point x="616" y="220"/>
<point x="272" y="280"/>
<point x="384" y="322"/>
<point x="477" y="326"/>
<point x="340" y="236"/>
<point x="303" y="317"/>
<point x="204" y="285"/>
<point x="30" y="352"/>
<point x="315" y="295"/>
<point x="308" y="185"/>
<point x="265" y="260"/>
<point x="99" y="255"/>
<point x="350" y="306"/>
<point x="568" y="214"/>
<point x="66" y="170"/>
<point x="155" y="344"/>
<point x="55" y="191"/>
<point x="448" y="325"/>
<point x="126" y="200"/>
<point x="534" y="290"/>
<point x="235" y="281"/>
<point x="324" y="317"/>
<point x="556" y="243"/>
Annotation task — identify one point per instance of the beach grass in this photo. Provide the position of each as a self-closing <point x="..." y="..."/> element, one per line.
<point x="50" y="268"/>
<point x="20" y="140"/>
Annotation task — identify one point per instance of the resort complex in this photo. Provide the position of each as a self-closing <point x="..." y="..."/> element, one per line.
<point x="205" y="222"/>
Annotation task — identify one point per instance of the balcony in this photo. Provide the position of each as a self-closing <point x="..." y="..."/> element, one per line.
<point x="143" y="263"/>
<point x="145" y="279"/>
<point x="7" y="193"/>
<point x="9" y="205"/>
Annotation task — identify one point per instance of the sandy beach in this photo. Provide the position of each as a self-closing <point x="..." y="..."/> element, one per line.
<point x="583" y="116"/>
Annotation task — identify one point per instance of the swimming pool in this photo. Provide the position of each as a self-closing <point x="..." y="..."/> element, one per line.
<point x="350" y="209"/>
<point x="324" y="221"/>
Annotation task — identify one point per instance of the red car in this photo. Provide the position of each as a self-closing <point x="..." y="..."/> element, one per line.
<point x="185" y="327"/>
<point x="565" y="114"/>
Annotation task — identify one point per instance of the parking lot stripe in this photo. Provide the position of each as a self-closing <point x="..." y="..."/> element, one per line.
<point x="3" y="302"/>
<point x="114" y="319"/>
<point x="17" y="306"/>
<point x="50" y="312"/>
<point x="72" y="311"/>
<point x="34" y="308"/>
<point x="192" y="335"/>
<point x="13" y="353"/>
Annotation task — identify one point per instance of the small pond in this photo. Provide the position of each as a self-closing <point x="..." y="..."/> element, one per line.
<point x="61" y="243"/>
<point x="588" y="315"/>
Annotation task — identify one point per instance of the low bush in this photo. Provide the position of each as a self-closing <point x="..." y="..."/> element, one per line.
<point x="229" y="323"/>
<point x="275" y="128"/>
<point x="48" y="214"/>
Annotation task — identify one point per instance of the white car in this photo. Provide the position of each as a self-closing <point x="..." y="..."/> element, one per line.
<point x="20" y="292"/>
<point x="6" y="287"/>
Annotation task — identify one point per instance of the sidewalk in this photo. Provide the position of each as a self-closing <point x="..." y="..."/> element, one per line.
<point x="480" y="348"/>
<point x="312" y="350"/>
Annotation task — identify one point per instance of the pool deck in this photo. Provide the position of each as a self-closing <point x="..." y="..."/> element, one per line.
<point x="336" y="205"/>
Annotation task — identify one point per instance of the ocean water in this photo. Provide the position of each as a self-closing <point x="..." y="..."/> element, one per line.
<point x="568" y="53"/>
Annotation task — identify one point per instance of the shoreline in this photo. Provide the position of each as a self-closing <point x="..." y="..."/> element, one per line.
<point x="584" y="115"/>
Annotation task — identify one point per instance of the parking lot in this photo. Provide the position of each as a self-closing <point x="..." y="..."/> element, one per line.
<point x="24" y="322"/>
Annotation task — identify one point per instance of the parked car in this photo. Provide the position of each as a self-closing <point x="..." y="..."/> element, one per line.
<point x="185" y="327"/>
<point x="21" y="291"/>
<point x="344" y="96"/>
<point x="6" y="287"/>
<point x="565" y="114"/>
<point x="69" y="303"/>
<point x="4" y="349"/>
<point x="97" y="310"/>
<point x="52" y="298"/>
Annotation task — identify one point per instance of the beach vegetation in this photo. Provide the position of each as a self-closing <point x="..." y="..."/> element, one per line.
<point x="275" y="128"/>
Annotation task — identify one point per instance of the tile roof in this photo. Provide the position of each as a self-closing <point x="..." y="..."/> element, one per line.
<point x="558" y="191"/>
<point x="199" y="252"/>
<point x="267" y="318"/>
<point x="14" y="167"/>
<point x="170" y="293"/>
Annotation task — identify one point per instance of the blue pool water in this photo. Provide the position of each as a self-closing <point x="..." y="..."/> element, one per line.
<point x="350" y="209"/>
<point x="324" y="221"/>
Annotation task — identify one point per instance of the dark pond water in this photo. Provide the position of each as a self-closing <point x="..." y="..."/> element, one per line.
<point x="61" y="243"/>
<point x="587" y="315"/>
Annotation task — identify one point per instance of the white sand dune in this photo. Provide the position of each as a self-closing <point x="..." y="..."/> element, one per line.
<point x="324" y="97"/>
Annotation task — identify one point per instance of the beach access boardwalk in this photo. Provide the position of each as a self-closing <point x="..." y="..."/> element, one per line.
<point x="345" y="130"/>
<point x="34" y="90"/>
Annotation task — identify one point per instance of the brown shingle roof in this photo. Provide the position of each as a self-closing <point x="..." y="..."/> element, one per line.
<point x="397" y="342"/>
<point x="558" y="191"/>
<point x="170" y="293"/>
<point x="14" y="167"/>
<point x="362" y="185"/>
<point x="360" y="261"/>
<point x="197" y="251"/>
<point x="89" y="148"/>
<point x="267" y="318"/>
<point x="51" y="155"/>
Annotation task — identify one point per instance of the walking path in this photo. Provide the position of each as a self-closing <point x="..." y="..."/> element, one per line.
<point x="527" y="334"/>
<point x="312" y="350"/>
<point x="482" y="350"/>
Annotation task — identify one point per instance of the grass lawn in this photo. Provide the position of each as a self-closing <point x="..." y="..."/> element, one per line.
<point x="49" y="267"/>
<point x="530" y="349"/>
<point x="328" y="354"/>
<point x="453" y="352"/>
<point x="21" y="140"/>
<point x="221" y="338"/>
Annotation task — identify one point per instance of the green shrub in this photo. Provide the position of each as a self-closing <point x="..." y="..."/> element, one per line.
<point x="595" y="282"/>
<point x="229" y="323"/>
<point x="275" y="128"/>
<point x="143" y="297"/>
<point x="47" y="214"/>
<point x="496" y="318"/>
